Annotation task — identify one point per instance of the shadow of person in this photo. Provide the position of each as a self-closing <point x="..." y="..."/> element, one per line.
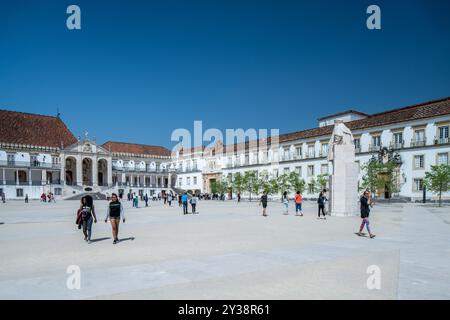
<point x="126" y="239"/>
<point x="100" y="239"/>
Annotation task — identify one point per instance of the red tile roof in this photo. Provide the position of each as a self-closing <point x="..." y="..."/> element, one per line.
<point x="34" y="129"/>
<point x="138" y="149"/>
<point x="415" y="112"/>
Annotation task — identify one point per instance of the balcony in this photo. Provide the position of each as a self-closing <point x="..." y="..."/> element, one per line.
<point x="29" y="164"/>
<point x="397" y="145"/>
<point x="418" y="143"/>
<point x="442" y="140"/>
<point x="374" y="148"/>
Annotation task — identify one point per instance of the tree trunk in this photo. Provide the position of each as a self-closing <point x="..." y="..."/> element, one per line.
<point x="440" y="195"/>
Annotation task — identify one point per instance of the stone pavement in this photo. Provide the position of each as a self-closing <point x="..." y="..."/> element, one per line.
<point x="228" y="251"/>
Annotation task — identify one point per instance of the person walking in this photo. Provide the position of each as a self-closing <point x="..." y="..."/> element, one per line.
<point x="285" y="200"/>
<point x="88" y="216"/>
<point x="180" y="202"/>
<point x="3" y="197"/>
<point x="321" y="204"/>
<point x="146" y="200"/>
<point x="169" y="199"/>
<point x="239" y="197"/>
<point x="114" y="213"/>
<point x="263" y="202"/>
<point x="184" y="200"/>
<point x="298" y="203"/>
<point x="194" y="201"/>
<point x="366" y="204"/>
<point x="26" y="198"/>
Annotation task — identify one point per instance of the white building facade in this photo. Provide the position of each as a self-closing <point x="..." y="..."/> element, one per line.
<point x="416" y="136"/>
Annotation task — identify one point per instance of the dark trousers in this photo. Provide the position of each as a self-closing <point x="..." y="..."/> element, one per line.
<point x="185" y="208"/>
<point x="193" y="207"/>
<point x="322" y="208"/>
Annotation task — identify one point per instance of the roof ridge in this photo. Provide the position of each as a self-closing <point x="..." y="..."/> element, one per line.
<point x="131" y="143"/>
<point x="30" y="114"/>
<point x="411" y="106"/>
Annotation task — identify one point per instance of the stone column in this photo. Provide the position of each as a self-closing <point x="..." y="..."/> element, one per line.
<point x="62" y="175"/>
<point x="124" y="179"/>
<point x="17" y="177"/>
<point x="79" y="171"/>
<point x="29" y="177"/>
<point x="109" y="172"/>
<point x="4" y="176"/>
<point x="44" y="177"/>
<point x="94" y="172"/>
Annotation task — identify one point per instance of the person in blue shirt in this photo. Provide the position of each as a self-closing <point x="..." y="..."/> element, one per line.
<point x="184" y="200"/>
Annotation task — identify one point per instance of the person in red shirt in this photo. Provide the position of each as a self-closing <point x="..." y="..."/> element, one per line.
<point x="298" y="203"/>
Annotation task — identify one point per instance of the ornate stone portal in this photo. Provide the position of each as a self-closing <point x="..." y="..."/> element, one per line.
<point x="344" y="180"/>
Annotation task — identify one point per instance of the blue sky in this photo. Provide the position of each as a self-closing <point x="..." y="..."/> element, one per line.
<point x="139" y="69"/>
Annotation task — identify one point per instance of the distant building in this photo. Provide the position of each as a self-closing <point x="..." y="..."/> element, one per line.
<point x="38" y="154"/>
<point x="415" y="136"/>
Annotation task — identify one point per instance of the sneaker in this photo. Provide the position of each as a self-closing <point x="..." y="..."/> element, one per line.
<point x="115" y="241"/>
<point x="89" y="241"/>
<point x="372" y="236"/>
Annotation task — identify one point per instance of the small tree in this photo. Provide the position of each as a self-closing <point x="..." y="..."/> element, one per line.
<point x="438" y="180"/>
<point x="297" y="183"/>
<point x="250" y="182"/>
<point x="321" y="182"/>
<point x="214" y="187"/>
<point x="272" y="186"/>
<point x="284" y="183"/>
<point x="371" y="177"/>
<point x="237" y="182"/>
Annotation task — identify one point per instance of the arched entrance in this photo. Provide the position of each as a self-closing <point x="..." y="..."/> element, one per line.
<point x="102" y="174"/>
<point x="71" y="171"/>
<point x="87" y="172"/>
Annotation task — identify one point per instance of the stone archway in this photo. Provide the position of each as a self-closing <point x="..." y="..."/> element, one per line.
<point x="87" y="171"/>
<point x="71" y="171"/>
<point x="102" y="172"/>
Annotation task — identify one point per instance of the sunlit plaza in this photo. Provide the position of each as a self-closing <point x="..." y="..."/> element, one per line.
<point x="227" y="251"/>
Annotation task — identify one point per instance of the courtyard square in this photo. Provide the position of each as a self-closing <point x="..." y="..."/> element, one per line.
<point x="227" y="251"/>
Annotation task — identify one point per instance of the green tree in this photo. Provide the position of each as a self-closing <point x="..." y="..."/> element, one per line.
<point x="250" y="182"/>
<point x="437" y="180"/>
<point x="297" y="183"/>
<point x="272" y="186"/>
<point x="321" y="182"/>
<point x="214" y="187"/>
<point x="237" y="182"/>
<point x="284" y="183"/>
<point x="371" y="179"/>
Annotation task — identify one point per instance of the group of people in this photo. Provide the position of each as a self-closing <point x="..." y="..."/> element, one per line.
<point x="86" y="216"/>
<point x="366" y="202"/>
<point x="49" y="197"/>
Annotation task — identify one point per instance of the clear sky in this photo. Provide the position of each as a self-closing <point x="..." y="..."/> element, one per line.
<point x="139" y="69"/>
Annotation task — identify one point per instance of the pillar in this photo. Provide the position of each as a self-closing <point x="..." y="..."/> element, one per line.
<point x="94" y="172"/>
<point x="29" y="177"/>
<point x="44" y="177"/>
<point x="109" y="172"/>
<point x="79" y="177"/>
<point x="4" y="176"/>
<point x="17" y="177"/>
<point x="62" y="174"/>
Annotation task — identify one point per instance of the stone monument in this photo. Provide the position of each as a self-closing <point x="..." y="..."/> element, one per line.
<point x="344" y="179"/>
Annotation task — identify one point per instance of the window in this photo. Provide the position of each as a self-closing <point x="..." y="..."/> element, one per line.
<point x="188" y="181"/>
<point x="299" y="171"/>
<point x="311" y="151"/>
<point x="310" y="170"/>
<point x="19" y="192"/>
<point x="286" y="170"/>
<point x="418" y="185"/>
<point x="419" y="162"/>
<point x="324" y="149"/>
<point x="357" y="144"/>
<point x="311" y="188"/>
<point x="180" y="181"/>
<point x="195" y="180"/>
<point x="442" y="158"/>
<point x="286" y="153"/>
<point x="376" y="141"/>
<point x="443" y="132"/>
<point x="324" y="169"/>
<point x="419" y="135"/>
<point x="398" y="139"/>
<point x="298" y="152"/>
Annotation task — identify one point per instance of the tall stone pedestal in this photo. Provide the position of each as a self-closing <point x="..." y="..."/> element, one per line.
<point x="344" y="182"/>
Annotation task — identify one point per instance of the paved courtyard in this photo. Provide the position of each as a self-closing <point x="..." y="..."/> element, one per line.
<point x="228" y="251"/>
